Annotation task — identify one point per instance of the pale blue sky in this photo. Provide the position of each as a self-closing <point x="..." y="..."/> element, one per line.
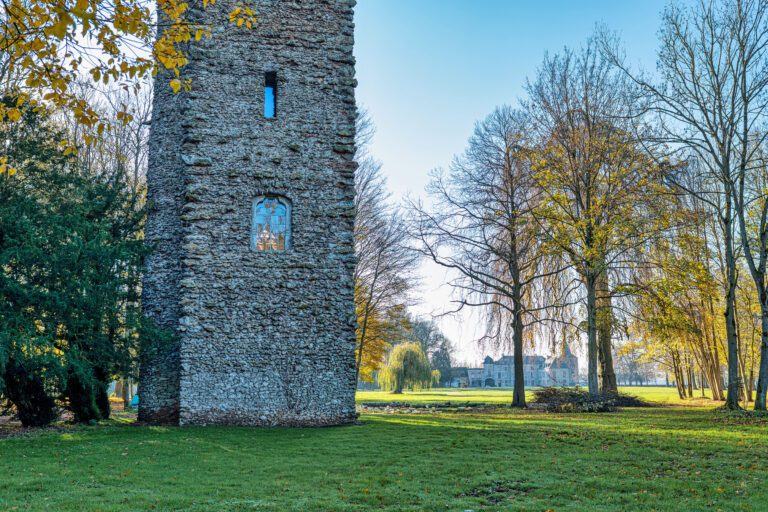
<point x="429" y="69"/>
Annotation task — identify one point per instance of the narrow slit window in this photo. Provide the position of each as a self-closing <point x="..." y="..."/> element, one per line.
<point x="270" y="95"/>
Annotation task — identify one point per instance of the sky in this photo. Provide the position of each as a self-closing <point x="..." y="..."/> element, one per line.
<point x="428" y="70"/>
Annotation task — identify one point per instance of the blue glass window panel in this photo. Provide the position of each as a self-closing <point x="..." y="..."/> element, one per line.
<point x="269" y="102"/>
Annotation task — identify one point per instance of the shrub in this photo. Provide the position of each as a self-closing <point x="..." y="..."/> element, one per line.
<point x="27" y="389"/>
<point x="579" y="400"/>
<point x="624" y="400"/>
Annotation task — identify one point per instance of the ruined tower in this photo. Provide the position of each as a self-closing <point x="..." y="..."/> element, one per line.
<point x="251" y="212"/>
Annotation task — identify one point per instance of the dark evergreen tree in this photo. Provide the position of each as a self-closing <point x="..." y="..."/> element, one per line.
<point x="70" y="255"/>
<point x="442" y="360"/>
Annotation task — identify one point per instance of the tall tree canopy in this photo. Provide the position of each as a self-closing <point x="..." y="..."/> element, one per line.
<point x="600" y="185"/>
<point x="482" y="227"/>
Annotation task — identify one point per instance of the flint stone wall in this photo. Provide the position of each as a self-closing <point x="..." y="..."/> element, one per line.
<point x="261" y="338"/>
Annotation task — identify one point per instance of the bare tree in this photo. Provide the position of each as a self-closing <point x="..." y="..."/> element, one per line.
<point x="750" y="195"/>
<point x="711" y="106"/>
<point x="122" y="148"/>
<point x="482" y="227"/>
<point x="428" y="334"/>
<point x="386" y="266"/>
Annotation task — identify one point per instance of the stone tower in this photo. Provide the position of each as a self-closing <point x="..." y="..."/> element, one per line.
<point x="251" y="212"/>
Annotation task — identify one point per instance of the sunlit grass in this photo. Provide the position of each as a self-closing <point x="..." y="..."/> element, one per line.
<point x="668" y="458"/>
<point x="658" y="394"/>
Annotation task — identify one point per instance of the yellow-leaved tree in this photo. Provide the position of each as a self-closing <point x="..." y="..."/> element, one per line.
<point x="407" y="368"/>
<point x="376" y="331"/>
<point x="602" y="190"/>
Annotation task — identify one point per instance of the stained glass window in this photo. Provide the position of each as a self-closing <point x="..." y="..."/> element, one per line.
<point x="271" y="230"/>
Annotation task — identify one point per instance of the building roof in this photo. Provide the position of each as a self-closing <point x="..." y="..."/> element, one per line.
<point x="510" y="360"/>
<point x="567" y="360"/>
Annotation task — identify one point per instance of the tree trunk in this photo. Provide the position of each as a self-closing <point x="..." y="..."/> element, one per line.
<point x="513" y="265"/>
<point x="745" y="393"/>
<point x="712" y="368"/>
<point x="732" y="399"/>
<point x="359" y="361"/>
<point x="592" y="382"/>
<point x="518" y="394"/>
<point x="678" y="376"/>
<point x="605" y="334"/>
<point x="762" y="378"/>
<point x="716" y="380"/>
<point x="364" y="327"/>
<point x="119" y="388"/>
<point x="126" y="395"/>
<point x="691" y="383"/>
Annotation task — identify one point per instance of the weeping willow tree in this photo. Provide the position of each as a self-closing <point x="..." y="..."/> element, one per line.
<point x="407" y="367"/>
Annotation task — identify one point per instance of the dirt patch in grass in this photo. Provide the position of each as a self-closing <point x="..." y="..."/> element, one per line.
<point x="12" y="427"/>
<point x="499" y="491"/>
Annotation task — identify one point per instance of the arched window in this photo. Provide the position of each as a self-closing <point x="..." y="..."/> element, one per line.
<point x="271" y="225"/>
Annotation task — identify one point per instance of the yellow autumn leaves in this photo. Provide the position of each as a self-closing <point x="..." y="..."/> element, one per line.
<point x="49" y="46"/>
<point x="5" y="168"/>
<point x="242" y="16"/>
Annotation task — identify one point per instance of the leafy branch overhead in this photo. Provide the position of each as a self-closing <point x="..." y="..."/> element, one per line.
<point x="48" y="47"/>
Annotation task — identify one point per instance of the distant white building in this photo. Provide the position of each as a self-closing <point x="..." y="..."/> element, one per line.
<point x="539" y="371"/>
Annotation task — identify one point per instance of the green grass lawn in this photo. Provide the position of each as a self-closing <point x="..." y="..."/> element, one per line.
<point x="673" y="458"/>
<point x="664" y="395"/>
